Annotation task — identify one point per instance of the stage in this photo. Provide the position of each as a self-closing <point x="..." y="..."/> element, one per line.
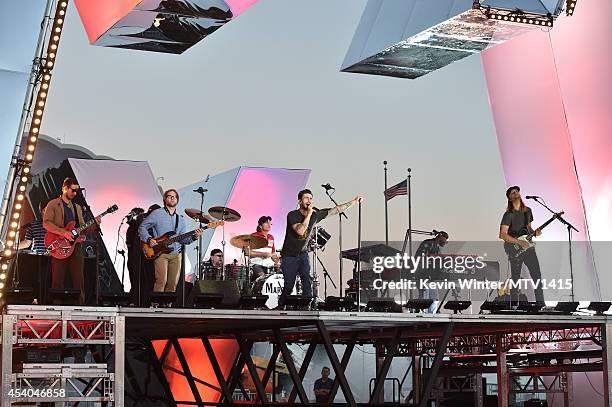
<point x="448" y="345"/>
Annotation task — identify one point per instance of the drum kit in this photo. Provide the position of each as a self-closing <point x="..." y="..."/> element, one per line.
<point x="270" y="284"/>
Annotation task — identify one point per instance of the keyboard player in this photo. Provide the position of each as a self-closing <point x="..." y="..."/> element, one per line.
<point x="431" y="247"/>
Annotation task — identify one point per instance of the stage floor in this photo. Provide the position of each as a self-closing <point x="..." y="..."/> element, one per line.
<point x="258" y="325"/>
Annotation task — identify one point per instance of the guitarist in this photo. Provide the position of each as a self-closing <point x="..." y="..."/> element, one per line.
<point x="517" y="222"/>
<point x="160" y="221"/>
<point x="58" y="213"/>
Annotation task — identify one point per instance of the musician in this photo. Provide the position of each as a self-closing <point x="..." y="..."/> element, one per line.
<point x="58" y="213"/>
<point x="213" y="268"/>
<point x="429" y="247"/>
<point x="264" y="259"/>
<point x="516" y="222"/>
<point x="35" y="234"/>
<point x="294" y="253"/>
<point x="160" y="221"/>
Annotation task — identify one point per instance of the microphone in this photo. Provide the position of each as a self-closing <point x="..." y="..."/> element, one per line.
<point x="200" y="190"/>
<point x="327" y="187"/>
<point x="531" y="197"/>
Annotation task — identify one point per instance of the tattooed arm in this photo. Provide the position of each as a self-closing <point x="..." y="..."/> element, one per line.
<point x="342" y="207"/>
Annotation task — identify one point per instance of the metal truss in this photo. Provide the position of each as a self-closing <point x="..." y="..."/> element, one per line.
<point x="62" y="382"/>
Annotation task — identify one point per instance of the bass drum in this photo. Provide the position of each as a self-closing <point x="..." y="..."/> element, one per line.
<point x="272" y="286"/>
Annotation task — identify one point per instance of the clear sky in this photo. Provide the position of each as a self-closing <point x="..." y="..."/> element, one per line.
<point x="266" y="90"/>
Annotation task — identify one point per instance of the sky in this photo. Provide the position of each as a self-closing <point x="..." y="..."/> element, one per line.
<point x="266" y="90"/>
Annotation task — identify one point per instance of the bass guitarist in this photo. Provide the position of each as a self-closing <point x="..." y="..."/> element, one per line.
<point x="161" y="221"/>
<point x="517" y="222"/>
<point x="58" y="214"/>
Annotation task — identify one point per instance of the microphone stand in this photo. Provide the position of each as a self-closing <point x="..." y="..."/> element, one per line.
<point x="122" y="253"/>
<point x="569" y="227"/>
<point x="202" y="194"/>
<point x="340" y="215"/>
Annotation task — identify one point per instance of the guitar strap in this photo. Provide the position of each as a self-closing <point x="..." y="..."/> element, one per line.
<point x="76" y="215"/>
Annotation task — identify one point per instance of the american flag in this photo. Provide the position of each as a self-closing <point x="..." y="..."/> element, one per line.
<point x="396" y="190"/>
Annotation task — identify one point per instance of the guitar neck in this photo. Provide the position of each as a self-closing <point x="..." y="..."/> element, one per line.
<point x="543" y="225"/>
<point x="178" y="238"/>
<point x="89" y="223"/>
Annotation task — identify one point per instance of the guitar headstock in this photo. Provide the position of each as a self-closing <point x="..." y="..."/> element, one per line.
<point x="558" y="214"/>
<point x="112" y="208"/>
<point x="212" y="225"/>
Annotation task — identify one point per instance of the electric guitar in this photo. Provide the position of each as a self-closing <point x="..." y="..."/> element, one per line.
<point x="515" y="251"/>
<point x="165" y="240"/>
<point x="61" y="248"/>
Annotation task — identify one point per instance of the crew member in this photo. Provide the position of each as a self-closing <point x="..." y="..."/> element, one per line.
<point x="430" y="247"/>
<point x="323" y="386"/>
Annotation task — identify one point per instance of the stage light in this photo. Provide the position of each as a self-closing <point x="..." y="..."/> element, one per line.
<point x="16" y="215"/>
<point x="14" y="225"/>
<point x="570" y="5"/>
<point x="37" y="121"/>
<point x="8" y="252"/>
<point x="63" y="4"/>
<point x="29" y="158"/>
<point x="50" y="64"/>
<point x="33" y="140"/>
<point x="4" y="266"/>
<point x="599" y="307"/>
<point x="457" y="306"/>
<point x="11" y="234"/>
<point x="9" y="243"/>
<point x="61" y="12"/>
<point x="59" y="21"/>
<point x="30" y="148"/>
<point x="18" y="206"/>
<point x="22" y="188"/>
<point x="58" y="29"/>
<point x="39" y="112"/>
<point x="20" y="197"/>
<point x="43" y="95"/>
<point x="56" y="38"/>
<point x="3" y="275"/>
<point x="47" y="77"/>
<point x="53" y="47"/>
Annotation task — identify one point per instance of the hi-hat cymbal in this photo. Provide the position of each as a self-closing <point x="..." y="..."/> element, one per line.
<point x="198" y="215"/>
<point x="248" y="241"/>
<point x="226" y="214"/>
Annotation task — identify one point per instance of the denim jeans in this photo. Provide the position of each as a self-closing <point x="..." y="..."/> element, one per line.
<point x="293" y="266"/>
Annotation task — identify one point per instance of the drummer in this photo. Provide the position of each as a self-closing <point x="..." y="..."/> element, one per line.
<point x="212" y="269"/>
<point x="265" y="259"/>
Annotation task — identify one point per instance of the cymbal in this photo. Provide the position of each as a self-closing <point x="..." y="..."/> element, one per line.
<point x="226" y="214"/>
<point x="196" y="214"/>
<point x="244" y="241"/>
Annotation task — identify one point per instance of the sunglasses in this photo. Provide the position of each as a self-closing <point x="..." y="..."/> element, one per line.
<point x="75" y="189"/>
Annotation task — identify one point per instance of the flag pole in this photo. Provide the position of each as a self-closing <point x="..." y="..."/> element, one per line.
<point x="409" y="213"/>
<point x="386" y="207"/>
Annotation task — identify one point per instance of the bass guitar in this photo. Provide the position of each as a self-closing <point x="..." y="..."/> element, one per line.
<point x="165" y="240"/>
<point x="515" y="251"/>
<point x="61" y="248"/>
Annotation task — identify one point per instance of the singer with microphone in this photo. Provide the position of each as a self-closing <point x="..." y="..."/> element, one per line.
<point x="516" y="222"/>
<point x="300" y="222"/>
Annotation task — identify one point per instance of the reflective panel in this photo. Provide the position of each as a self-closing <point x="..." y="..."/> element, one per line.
<point x="170" y="26"/>
<point x="409" y="39"/>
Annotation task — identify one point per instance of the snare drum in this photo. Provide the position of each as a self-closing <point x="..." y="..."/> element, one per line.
<point x="272" y="286"/>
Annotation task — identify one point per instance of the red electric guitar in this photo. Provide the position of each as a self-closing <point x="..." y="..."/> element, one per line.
<point x="61" y="248"/>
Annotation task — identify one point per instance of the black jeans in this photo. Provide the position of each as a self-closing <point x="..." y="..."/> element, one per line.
<point x="530" y="258"/>
<point x="293" y="267"/>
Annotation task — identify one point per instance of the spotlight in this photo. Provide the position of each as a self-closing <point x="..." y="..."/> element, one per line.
<point x="418" y="305"/>
<point x="599" y="307"/>
<point x="457" y="306"/>
<point x="383" y="304"/>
